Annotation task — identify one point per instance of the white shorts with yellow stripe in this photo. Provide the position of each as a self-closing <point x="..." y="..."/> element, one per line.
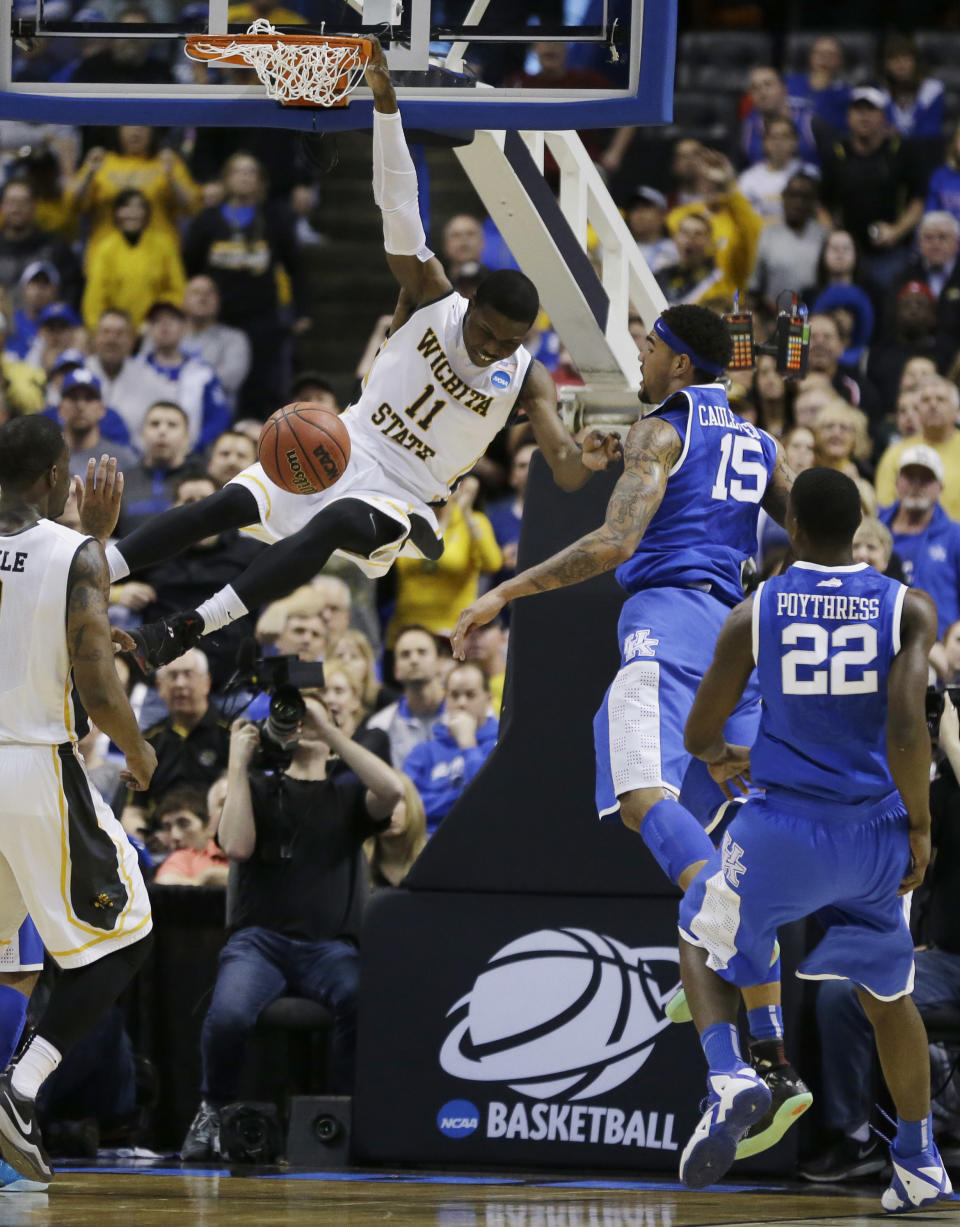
<point x="65" y="858"/>
<point x="282" y="514"/>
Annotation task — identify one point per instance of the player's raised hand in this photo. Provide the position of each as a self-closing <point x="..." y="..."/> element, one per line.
<point x="733" y="768"/>
<point x="99" y="497"/>
<point x="482" y="611"/>
<point x="919" y="860"/>
<point x="377" y="74"/>
<point x="600" y="449"/>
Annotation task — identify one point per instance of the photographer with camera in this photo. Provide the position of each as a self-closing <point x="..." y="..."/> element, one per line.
<point x="300" y="878"/>
<point x="846" y="1037"/>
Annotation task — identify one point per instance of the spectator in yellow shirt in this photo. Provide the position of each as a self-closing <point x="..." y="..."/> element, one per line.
<point x="431" y="594"/>
<point x="735" y="226"/>
<point x="24" y="385"/>
<point x="160" y="175"/>
<point x="938" y="403"/>
<point x="133" y="267"/>
<point x="276" y="14"/>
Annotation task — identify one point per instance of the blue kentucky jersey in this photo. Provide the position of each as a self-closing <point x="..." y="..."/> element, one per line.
<point x="824" y="639"/>
<point x="706" y="525"/>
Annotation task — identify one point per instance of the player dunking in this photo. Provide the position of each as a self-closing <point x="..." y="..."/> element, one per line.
<point x="679" y="525"/>
<point x="63" y="855"/>
<point x="445" y="382"/>
<point x="842" y="828"/>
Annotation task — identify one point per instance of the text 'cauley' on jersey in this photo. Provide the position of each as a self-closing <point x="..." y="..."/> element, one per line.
<point x="426" y="411"/>
<point x="824" y="639"/>
<point x="706" y="526"/>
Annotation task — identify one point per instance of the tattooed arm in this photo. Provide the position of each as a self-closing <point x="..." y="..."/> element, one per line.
<point x="778" y="489"/>
<point x="91" y="657"/>
<point x="652" y="448"/>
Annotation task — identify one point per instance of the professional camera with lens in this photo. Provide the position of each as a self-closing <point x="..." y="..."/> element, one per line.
<point x="283" y="678"/>
<point x="935" y="700"/>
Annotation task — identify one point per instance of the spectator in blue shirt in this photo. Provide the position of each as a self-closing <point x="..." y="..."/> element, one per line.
<point x="507" y="514"/>
<point x="191" y="383"/>
<point x="924" y="536"/>
<point x="770" y="101"/>
<point x="39" y="288"/>
<point x="460" y="743"/>
<point x="915" y="109"/>
<point x="821" y="85"/>
<point x="943" y="192"/>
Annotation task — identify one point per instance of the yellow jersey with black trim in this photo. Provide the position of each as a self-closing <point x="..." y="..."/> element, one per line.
<point x="37" y="703"/>
<point x="427" y="413"/>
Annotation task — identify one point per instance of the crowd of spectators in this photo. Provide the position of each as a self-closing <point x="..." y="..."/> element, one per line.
<point x="153" y="284"/>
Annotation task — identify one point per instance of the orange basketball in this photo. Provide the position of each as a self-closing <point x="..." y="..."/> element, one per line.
<point x="304" y="448"/>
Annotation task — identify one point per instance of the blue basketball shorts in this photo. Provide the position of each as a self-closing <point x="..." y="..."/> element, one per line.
<point x="780" y="862"/>
<point x="667" y="637"/>
<point x="24" y="951"/>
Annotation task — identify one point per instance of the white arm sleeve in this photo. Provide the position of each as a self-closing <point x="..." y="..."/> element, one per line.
<point x="395" y="189"/>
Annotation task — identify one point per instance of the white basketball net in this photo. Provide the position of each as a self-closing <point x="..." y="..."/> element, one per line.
<point x="322" y="73"/>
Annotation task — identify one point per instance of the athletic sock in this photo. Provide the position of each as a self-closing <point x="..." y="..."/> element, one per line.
<point x="765" y="1022"/>
<point x="913" y="1135"/>
<point x="37" y="1062"/>
<point x="721" y="1047"/>
<point x="674" y="837"/>
<point x="13" y="1014"/>
<point x="117" y="564"/>
<point x="221" y="609"/>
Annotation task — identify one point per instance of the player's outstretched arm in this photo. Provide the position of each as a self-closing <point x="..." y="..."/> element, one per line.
<point x="91" y="657"/>
<point x="395" y="190"/>
<point x="717" y="697"/>
<point x="778" y="489"/>
<point x="908" y="742"/>
<point x="570" y="463"/>
<point x="651" y="450"/>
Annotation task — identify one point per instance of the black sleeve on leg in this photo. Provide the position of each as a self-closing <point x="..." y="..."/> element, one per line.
<point x="82" y="995"/>
<point x="171" y="531"/>
<point x="348" y="524"/>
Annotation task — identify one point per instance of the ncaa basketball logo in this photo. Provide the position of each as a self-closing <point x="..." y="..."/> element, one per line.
<point x="500" y="379"/>
<point x="561" y="1012"/>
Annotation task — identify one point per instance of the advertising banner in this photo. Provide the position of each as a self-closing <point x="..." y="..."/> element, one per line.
<point x="524" y="1030"/>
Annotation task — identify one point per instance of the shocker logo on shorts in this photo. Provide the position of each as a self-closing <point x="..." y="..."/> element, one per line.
<point x="733" y="866"/>
<point x="639" y="644"/>
<point x="103" y="902"/>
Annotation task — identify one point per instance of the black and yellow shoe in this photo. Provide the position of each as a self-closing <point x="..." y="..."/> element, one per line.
<point x="791" y="1098"/>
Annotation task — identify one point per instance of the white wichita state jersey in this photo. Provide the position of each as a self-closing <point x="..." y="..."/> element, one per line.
<point x="37" y="705"/>
<point x="427" y="413"/>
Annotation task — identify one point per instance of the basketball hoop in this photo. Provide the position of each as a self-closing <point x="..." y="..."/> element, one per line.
<point x="296" y="69"/>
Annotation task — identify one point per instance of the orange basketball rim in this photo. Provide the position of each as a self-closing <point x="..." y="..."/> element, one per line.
<point x="296" y="69"/>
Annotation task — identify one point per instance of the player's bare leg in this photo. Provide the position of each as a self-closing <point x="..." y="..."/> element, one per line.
<point x="919" y="1177"/>
<point x="681" y="847"/>
<point x="738" y="1096"/>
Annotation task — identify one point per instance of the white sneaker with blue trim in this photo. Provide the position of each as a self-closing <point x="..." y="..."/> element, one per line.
<point x="735" y="1102"/>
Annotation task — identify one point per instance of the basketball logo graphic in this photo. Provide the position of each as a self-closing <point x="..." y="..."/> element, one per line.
<point x="561" y="1012"/>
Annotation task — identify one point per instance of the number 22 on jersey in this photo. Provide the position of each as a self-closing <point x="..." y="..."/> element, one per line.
<point x="837" y="679"/>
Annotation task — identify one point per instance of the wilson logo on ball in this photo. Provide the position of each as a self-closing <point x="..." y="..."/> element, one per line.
<point x="561" y="1012"/>
<point x="297" y="475"/>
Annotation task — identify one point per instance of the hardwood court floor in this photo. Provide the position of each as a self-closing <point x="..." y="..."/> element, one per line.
<point x="137" y="1198"/>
